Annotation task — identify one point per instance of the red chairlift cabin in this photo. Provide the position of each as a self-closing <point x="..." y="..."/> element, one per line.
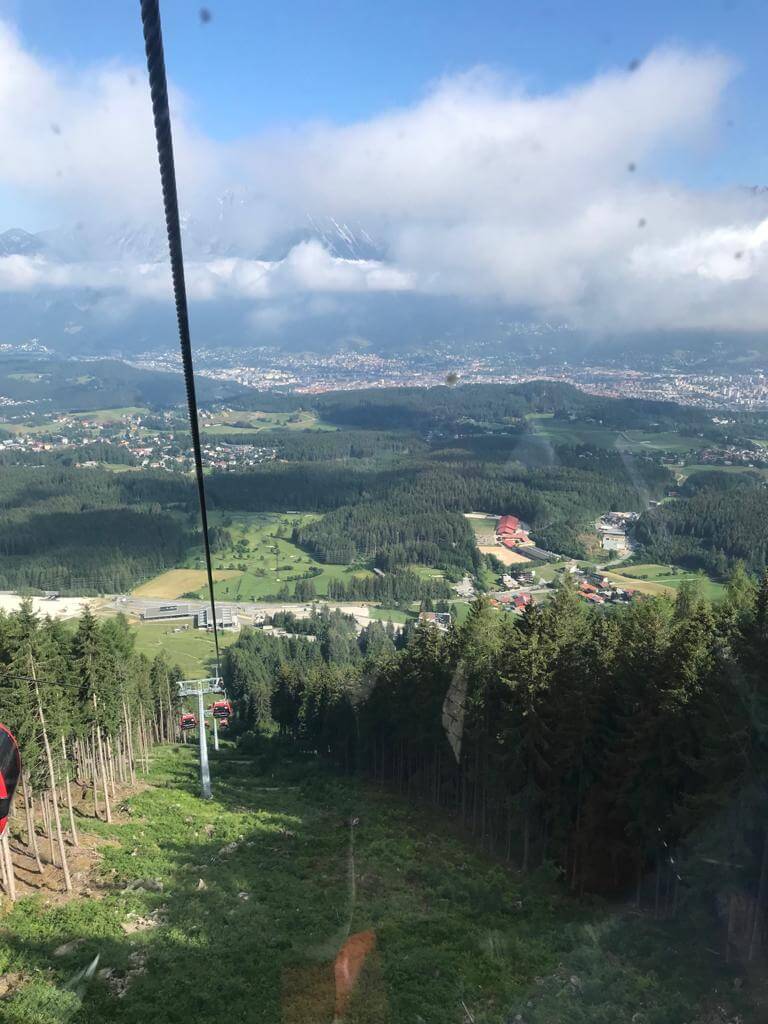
<point x="188" y="721"/>
<point x="10" y="770"/>
<point x="221" y="709"/>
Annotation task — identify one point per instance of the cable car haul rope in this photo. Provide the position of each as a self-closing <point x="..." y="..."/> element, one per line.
<point x="153" y="41"/>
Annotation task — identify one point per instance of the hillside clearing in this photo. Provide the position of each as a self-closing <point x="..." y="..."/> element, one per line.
<point x="254" y="904"/>
<point x="193" y="650"/>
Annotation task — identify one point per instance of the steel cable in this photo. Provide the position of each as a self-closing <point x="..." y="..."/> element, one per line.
<point x="153" y="41"/>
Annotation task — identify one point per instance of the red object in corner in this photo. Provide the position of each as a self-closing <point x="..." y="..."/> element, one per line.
<point x="10" y="770"/>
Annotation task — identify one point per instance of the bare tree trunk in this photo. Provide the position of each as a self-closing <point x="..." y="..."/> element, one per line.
<point x="144" y="742"/>
<point x="129" y="739"/>
<point x="31" y="834"/>
<point x="169" y="720"/>
<point x="103" y="766"/>
<point x="47" y="830"/>
<point x="4" y="869"/>
<point x="11" y="881"/>
<point x="79" y="762"/>
<point x="111" y="765"/>
<point x="93" y="770"/>
<point x="72" y="828"/>
<point x="52" y="777"/>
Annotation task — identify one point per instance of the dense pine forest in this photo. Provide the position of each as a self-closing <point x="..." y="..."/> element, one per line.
<point x="721" y="519"/>
<point x="628" y="749"/>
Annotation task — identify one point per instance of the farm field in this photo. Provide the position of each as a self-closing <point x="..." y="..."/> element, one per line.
<point x="505" y="555"/>
<point x="644" y="440"/>
<point x="29" y="428"/>
<point x="254" y="904"/>
<point x="544" y="425"/>
<point x="175" y="582"/>
<point x="390" y="614"/>
<point x="664" y="579"/>
<point x="425" y="572"/>
<point x="249" y="422"/>
<point x="119" y="467"/>
<point x="111" y="415"/>
<point x="192" y="650"/>
<point x="52" y="427"/>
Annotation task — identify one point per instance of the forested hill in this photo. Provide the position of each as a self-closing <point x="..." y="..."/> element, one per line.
<point x="504" y="406"/>
<point x="628" y="749"/>
<point x="720" y="519"/>
<point x="46" y="384"/>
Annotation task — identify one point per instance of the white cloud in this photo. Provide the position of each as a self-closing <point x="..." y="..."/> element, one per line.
<point x="480" y="189"/>
<point x="308" y="267"/>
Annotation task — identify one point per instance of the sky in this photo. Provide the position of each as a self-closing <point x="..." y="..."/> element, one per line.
<point x="583" y="160"/>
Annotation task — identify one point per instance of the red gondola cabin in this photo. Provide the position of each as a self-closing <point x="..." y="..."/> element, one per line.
<point x="222" y="709"/>
<point x="188" y="721"/>
<point x="10" y="770"/>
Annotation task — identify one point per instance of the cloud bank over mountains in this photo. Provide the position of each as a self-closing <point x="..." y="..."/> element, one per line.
<point x="481" y="192"/>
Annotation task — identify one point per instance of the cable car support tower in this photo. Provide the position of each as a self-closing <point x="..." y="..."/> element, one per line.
<point x="198" y="688"/>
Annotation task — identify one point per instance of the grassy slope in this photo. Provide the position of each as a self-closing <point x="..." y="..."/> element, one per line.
<point x="658" y="579"/>
<point x="224" y="424"/>
<point x="192" y="650"/>
<point x="259" y="531"/>
<point x="451" y="925"/>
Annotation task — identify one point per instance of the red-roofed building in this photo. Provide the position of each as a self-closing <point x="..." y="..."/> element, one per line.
<point x="508" y="524"/>
<point x="510" y="533"/>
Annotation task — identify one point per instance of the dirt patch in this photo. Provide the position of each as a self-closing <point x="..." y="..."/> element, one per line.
<point x="505" y="555"/>
<point x="83" y="859"/>
<point x="9" y="983"/>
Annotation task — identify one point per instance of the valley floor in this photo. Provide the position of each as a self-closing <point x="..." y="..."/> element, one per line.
<point x="235" y="911"/>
